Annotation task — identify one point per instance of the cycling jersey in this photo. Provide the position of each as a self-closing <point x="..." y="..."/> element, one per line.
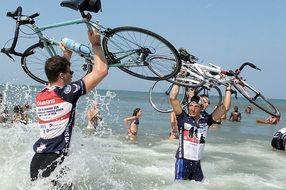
<point x="192" y="135"/>
<point x="55" y="107"/>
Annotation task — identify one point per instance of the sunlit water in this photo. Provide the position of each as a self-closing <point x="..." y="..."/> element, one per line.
<point x="237" y="155"/>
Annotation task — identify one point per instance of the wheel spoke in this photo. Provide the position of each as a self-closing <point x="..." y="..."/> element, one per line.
<point x="33" y="64"/>
<point x="131" y="46"/>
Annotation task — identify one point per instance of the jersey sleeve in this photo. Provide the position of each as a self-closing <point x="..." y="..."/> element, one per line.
<point x="71" y="92"/>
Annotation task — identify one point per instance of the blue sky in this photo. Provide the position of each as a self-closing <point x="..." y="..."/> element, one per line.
<point x="225" y="33"/>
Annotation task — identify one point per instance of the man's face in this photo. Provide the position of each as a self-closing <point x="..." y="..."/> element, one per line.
<point x="194" y="109"/>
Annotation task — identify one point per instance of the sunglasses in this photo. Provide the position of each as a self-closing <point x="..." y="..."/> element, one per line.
<point x="71" y="72"/>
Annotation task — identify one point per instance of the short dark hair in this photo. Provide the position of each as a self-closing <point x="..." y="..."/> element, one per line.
<point x="196" y="99"/>
<point x="54" y="66"/>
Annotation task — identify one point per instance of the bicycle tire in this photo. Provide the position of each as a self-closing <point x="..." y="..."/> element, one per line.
<point x="256" y="98"/>
<point x="33" y="64"/>
<point x="159" y="96"/>
<point x="132" y="48"/>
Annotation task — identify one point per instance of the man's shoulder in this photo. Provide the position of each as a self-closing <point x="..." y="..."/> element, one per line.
<point x="72" y="88"/>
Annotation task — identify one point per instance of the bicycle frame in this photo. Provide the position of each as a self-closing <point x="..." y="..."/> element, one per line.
<point x="102" y="30"/>
<point x="39" y="31"/>
<point x="204" y="75"/>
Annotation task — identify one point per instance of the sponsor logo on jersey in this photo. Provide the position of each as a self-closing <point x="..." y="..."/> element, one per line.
<point x="67" y="89"/>
<point x="46" y="102"/>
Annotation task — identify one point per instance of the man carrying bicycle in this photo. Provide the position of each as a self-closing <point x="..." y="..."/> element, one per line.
<point x="55" y="107"/>
<point x="193" y="127"/>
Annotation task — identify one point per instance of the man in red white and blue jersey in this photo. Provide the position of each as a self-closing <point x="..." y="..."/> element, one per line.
<point x="55" y="107"/>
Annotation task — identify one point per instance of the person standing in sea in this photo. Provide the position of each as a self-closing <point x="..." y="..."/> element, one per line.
<point x="132" y="123"/>
<point x="193" y="127"/>
<point x="93" y="116"/>
<point x="55" y="107"/>
<point x="235" y="115"/>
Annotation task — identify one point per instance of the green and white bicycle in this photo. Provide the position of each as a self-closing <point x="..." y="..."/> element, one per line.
<point x="131" y="49"/>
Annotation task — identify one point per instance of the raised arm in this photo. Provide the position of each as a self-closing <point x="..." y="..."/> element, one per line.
<point x="227" y="100"/>
<point x="173" y="120"/>
<point x="100" y="69"/>
<point x="218" y="112"/>
<point x="175" y="103"/>
<point x="128" y="120"/>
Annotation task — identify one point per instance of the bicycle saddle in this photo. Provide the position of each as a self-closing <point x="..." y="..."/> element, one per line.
<point x="83" y="5"/>
<point x="184" y="55"/>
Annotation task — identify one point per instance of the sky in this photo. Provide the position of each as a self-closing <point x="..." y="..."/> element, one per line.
<point x="223" y="32"/>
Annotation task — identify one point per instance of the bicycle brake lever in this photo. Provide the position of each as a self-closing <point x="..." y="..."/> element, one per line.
<point x="234" y="92"/>
<point x="3" y="51"/>
<point x="10" y="56"/>
<point x="254" y="66"/>
<point x="257" y="68"/>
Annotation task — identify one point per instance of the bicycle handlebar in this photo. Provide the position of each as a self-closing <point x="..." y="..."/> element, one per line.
<point x="249" y="64"/>
<point x="237" y="71"/>
<point x="20" y="20"/>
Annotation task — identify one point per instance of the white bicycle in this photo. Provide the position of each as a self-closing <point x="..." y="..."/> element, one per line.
<point x="207" y="80"/>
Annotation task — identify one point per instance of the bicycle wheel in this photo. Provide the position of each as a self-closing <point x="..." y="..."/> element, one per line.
<point x="256" y="98"/>
<point x="214" y="94"/>
<point x="33" y="64"/>
<point x="132" y="49"/>
<point x="159" y="96"/>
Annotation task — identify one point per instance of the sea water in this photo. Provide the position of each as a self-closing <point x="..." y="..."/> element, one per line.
<point x="238" y="155"/>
